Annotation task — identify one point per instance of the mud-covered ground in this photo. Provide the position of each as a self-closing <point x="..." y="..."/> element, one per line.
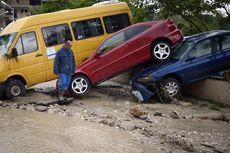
<point x="189" y="125"/>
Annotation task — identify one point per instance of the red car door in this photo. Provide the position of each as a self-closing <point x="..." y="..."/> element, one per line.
<point x="108" y="60"/>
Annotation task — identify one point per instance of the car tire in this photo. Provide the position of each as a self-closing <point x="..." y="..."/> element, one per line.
<point x="80" y="85"/>
<point x="161" y="51"/>
<point x="14" y="88"/>
<point x="172" y="86"/>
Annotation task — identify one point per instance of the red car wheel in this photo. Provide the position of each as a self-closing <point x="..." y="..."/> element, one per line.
<point x="80" y="85"/>
<point x="161" y="50"/>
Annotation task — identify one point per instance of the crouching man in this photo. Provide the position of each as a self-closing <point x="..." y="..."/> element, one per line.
<point x="64" y="67"/>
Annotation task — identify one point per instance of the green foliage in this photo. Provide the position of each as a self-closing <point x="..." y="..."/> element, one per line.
<point x="192" y="16"/>
<point x="57" y="5"/>
<point x="196" y="15"/>
<point x="141" y="11"/>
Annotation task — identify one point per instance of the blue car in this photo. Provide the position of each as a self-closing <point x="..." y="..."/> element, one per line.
<point x="197" y="57"/>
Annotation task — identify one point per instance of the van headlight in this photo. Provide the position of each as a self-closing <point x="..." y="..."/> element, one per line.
<point x="146" y="79"/>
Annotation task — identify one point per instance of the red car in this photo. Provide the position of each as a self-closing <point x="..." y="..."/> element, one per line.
<point x="125" y="49"/>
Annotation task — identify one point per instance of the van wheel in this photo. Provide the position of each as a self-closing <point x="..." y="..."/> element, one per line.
<point x="14" y="88"/>
<point x="161" y="50"/>
<point x="80" y="85"/>
<point x="172" y="86"/>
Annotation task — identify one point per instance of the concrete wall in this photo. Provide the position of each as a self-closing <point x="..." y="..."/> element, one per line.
<point x="216" y="90"/>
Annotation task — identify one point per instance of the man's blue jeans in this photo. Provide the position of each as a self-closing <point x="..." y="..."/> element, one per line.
<point x="64" y="81"/>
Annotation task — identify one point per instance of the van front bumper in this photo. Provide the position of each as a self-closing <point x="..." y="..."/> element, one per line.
<point x="1" y="89"/>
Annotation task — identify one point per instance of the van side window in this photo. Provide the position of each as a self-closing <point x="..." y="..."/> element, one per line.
<point x="87" y="28"/>
<point x="116" y="22"/>
<point x="56" y="35"/>
<point x="27" y="43"/>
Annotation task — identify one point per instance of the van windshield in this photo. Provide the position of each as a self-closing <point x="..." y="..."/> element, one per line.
<point x="181" y="50"/>
<point x="5" y="42"/>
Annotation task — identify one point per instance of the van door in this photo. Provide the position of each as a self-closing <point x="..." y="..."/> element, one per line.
<point x="54" y="37"/>
<point x="30" y="61"/>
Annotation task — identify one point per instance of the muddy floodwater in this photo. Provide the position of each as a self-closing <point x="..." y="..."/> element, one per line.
<point x="33" y="132"/>
<point x="109" y="120"/>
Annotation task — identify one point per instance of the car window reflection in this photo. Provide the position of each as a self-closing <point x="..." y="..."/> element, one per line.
<point x="112" y="42"/>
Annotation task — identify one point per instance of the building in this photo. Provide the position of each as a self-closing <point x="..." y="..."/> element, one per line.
<point x="22" y="8"/>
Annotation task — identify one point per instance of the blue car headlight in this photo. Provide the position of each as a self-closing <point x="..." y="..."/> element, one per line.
<point x="145" y="79"/>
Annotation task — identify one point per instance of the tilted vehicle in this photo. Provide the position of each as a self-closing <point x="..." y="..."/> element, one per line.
<point x="197" y="57"/>
<point x="28" y="45"/>
<point x="125" y="49"/>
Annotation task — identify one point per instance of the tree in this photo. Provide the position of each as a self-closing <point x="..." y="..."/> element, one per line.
<point x="57" y="5"/>
<point x="198" y="15"/>
<point x="192" y="16"/>
<point x="143" y="10"/>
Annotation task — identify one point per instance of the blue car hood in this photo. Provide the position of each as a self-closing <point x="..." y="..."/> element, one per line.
<point x="154" y="68"/>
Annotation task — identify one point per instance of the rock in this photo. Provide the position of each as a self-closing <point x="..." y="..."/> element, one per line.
<point x="41" y="108"/>
<point x="106" y="122"/>
<point x="174" y="115"/>
<point x="23" y="107"/>
<point x="131" y="128"/>
<point x="144" y="117"/>
<point x="5" y="104"/>
<point x="137" y="112"/>
<point x="185" y="104"/>
<point x="1" y="102"/>
<point x="214" y="117"/>
<point x="148" y="121"/>
<point x="159" y="114"/>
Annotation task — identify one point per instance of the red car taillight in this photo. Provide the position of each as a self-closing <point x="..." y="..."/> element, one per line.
<point x="171" y="24"/>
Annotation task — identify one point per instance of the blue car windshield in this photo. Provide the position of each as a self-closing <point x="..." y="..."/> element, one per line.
<point x="181" y="50"/>
<point x="5" y="42"/>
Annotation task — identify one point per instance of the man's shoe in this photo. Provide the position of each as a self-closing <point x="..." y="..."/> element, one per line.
<point x="60" y="96"/>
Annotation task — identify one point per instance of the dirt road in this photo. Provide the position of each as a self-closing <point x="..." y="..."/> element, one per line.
<point x="189" y="126"/>
<point x="27" y="132"/>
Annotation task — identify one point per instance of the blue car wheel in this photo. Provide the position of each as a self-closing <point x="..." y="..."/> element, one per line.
<point x="172" y="86"/>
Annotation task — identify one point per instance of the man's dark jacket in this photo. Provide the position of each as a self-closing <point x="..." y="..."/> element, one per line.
<point x="64" y="62"/>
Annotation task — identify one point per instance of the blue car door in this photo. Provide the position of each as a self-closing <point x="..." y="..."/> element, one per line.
<point x="224" y="41"/>
<point x="200" y="63"/>
<point x="216" y="44"/>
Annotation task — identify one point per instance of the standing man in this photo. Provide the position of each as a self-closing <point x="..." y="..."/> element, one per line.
<point x="64" y="67"/>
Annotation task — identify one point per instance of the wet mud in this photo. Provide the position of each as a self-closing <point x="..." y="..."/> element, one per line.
<point x="191" y="125"/>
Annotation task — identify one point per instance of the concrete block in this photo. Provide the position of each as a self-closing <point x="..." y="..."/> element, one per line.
<point x="122" y="78"/>
<point x="210" y="89"/>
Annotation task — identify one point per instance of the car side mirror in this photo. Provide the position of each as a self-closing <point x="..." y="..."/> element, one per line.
<point x="14" y="53"/>
<point x="97" y="55"/>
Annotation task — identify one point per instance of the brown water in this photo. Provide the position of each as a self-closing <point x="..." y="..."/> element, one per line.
<point x="33" y="132"/>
